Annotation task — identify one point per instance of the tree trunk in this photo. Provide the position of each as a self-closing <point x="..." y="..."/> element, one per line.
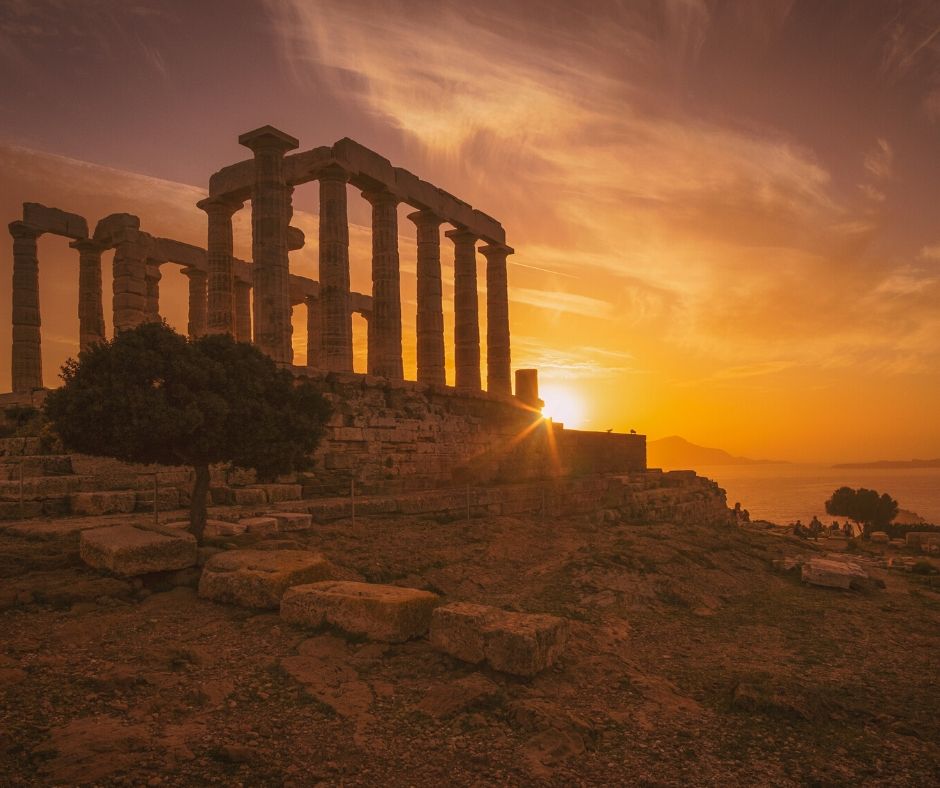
<point x="197" y="505"/>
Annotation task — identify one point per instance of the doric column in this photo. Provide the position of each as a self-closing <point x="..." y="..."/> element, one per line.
<point x="314" y="326"/>
<point x="498" y="363"/>
<point x="220" y="282"/>
<point x="386" y="286"/>
<point x="242" y="311"/>
<point x="153" y="292"/>
<point x="90" y="308"/>
<point x="336" y="319"/>
<point x="270" y="217"/>
<point x="198" y="301"/>
<point x="130" y="282"/>
<point x="466" y="310"/>
<point x="430" y="316"/>
<point x="371" y="351"/>
<point x="27" y="349"/>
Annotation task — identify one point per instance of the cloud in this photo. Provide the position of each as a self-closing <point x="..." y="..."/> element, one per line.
<point x="930" y="252"/>
<point x="880" y="160"/>
<point x="570" y="303"/>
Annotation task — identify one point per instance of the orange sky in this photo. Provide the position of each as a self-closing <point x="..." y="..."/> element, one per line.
<point x="725" y="214"/>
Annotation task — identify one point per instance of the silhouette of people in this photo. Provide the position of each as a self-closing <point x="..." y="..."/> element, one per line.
<point x="799" y="530"/>
<point x="815" y="528"/>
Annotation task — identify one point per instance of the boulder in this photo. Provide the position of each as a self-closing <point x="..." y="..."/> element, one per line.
<point x="136" y="550"/>
<point x="258" y="578"/>
<point x="880" y="537"/>
<point x="522" y="644"/>
<point x="379" y="612"/>
<point x="97" y="503"/>
<point x="833" y="574"/>
<point x="292" y="521"/>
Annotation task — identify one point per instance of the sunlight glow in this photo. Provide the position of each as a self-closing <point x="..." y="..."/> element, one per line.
<point x="562" y="404"/>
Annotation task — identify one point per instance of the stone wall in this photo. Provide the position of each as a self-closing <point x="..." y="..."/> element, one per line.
<point x="406" y="435"/>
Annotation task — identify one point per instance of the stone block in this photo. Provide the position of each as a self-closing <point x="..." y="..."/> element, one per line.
<point x="917" y="539"/>
<point x="379" y="612"/>
<point x="259" y="526"/>
<point x="880" y="537"/>
<point x="292" y="521"/>
<point x="258" y="578"/>
<point x="832" y="574"/>
<point x="249" y="496"/>
<point x="522" y="644"/>
<point x="134" y="550"/>
<point x="96" y="503"/>
<point x="279" y="492"/>
<point x="54" y="220"/>
<point x="224" y="528"/>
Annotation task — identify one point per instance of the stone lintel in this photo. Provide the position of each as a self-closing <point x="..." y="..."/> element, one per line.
<point x="87" y="245"/>
<point x="168" y="250"/>
<point x="360" y="303"/>
<point x="364" y="162"/>
<point x="55" y="221"/>
<point x="268" y="138"/>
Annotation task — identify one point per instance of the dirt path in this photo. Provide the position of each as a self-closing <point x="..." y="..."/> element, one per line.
<point x="691" y="662"/>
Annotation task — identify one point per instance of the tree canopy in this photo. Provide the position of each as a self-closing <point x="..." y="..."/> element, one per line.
<point x="152" y="396"/>
<point x="865" y="507"/>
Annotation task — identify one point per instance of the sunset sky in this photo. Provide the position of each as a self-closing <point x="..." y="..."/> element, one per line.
<point x="726" y="215"/>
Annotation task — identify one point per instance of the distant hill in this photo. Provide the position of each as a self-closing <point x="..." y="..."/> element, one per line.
<point x="676" y="452"/>
<point x="891" y="464"/>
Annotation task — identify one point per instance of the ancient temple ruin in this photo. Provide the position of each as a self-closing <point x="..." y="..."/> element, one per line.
<point x="384" y="428"/>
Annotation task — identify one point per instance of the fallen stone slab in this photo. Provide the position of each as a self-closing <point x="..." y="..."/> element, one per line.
<point x="833" y="574"/>
<point x="275" y="493"/>
<point x="248" y="496"/>
<point x="292" y="521"/>
<point x="379" y="612"/>
<point x="258" y="578"/>
<point x="259" y="526"/>
<point x="136" y="550"/>
<point x="213" y="527"/>
<point x="522" y="644"/>
<point x="96" y="503"/>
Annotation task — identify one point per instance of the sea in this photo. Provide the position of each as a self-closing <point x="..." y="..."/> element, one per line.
<point x="785" y="492"/>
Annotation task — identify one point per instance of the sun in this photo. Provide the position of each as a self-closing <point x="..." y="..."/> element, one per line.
<point x="562" y="404"/>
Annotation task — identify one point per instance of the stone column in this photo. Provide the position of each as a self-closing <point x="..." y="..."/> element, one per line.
<point x="220" y="283"/>
<point x="336" y="319"/>
<point x="498" y="363"/>
<point x="198" y="301"/>
<point x="270" y="217"/>
<point x="314" y="326"/>
<point x="371" y="351"/>
<point x="386" y="286"/>
<point x="242" y="311"/>
<point x="466" y="310"/>
<point x="27" y="335"/>
<point x="153" y="292"/>
<point x="90" y="309"/>
<point x="130" y="282"/>
<point x="430" y="316"/>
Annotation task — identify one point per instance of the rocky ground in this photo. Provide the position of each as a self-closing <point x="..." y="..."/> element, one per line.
<point x="692" y="661"/>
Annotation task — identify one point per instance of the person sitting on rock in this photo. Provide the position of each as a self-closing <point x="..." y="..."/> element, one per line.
<point x="799" y="530"/>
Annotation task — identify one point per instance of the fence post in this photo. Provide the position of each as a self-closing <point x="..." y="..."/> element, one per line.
<point x="156" y="493"/>
<point x="352" y="496"/>
<point x="22" y="504"/>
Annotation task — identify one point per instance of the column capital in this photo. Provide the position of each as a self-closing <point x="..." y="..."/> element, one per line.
<point x="461" y="235"/>
<point x="425" y="218"/>
<point x="496" y="250"/>
<point x="220" y="206"/>
<point x="194" y="273"/>
<point x="311" y="299"/>
<point x="333" y="172"/>
<point x="20" y="229"/>
<point x="380" y="197"/>
<point x="268" y="139"/>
